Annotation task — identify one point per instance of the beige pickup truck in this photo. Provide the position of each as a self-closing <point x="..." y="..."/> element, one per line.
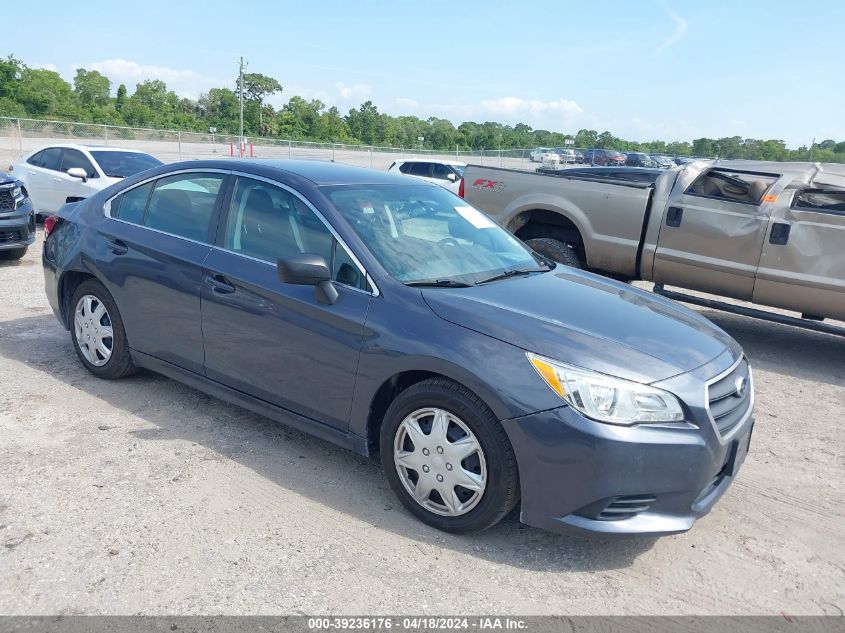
<point x="769" y="233"/>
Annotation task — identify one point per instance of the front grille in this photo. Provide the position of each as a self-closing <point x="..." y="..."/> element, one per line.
<point x="727" y="401"/>
<point x="10" y="237"/>
<point x="625" y="507"/>
<point x="7" y="202"/>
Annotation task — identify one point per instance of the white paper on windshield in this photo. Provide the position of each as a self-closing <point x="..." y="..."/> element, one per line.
<point x="475" y="217"/>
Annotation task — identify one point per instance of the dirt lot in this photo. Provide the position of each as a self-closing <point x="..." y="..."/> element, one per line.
<point x="145" y="496"/>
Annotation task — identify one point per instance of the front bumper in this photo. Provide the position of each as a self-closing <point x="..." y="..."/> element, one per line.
<point x="583" y="477"/>
<point x="17" y="228"/>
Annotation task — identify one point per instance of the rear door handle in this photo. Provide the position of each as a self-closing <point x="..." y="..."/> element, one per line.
<point x="674" y="216"/>
<point x="219" y="284"/>
<point x="779" y="234"/>
<point x="118" y="247"/>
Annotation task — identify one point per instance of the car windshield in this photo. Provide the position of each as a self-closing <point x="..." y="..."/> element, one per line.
<point x="124" y="164"/>
<point x="422" y="233"/>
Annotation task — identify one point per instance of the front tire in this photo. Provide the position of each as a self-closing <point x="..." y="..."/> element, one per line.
<point x="97" y="332"/>
<point x="13" y="253"/>
<point x="558" y="251"/>
<point x="447" y="457"/>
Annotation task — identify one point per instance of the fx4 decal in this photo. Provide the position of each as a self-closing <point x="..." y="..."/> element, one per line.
<point x="489" y="185"/>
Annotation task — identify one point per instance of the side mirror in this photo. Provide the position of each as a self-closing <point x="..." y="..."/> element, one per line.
<point x="452" y="177"/>
<point x="308" y="270"/>
<point x="78" y="172"/>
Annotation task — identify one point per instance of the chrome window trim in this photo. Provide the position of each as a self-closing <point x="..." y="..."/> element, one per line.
<point x="730" y="436"/>
<point x="322" y="219"/>
<point x="195" y="170"/>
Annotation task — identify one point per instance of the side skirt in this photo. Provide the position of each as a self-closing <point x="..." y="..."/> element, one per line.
<point x="218" y="390"/>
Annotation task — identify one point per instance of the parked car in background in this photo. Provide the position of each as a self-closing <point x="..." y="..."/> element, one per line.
<point x="604" y="157"/>
<point x="664" y="162"/>
<point x="639" y="159"/>
<point x="684" y="160"/>
<point x="536" y="154"/>
<point x="63" y="171"/>
<point x="445" y="173"/>
<point x="391" y="317"/>
<point x="17" y="219"/>
<point x="567" y="156"/>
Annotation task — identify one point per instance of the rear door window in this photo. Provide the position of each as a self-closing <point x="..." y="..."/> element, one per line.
<point x="733" y="186"/>
<point x="421" y="169"/>
<point x="131" y="205"/>
<point x="824" y="200"/>
<point x="405" y="168"/>
<point x="35" y="159"/>
<point x="183" y="205"/>
<point x="51" y="158"/>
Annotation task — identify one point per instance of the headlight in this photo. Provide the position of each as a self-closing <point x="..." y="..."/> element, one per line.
<point x="607" y="399"/>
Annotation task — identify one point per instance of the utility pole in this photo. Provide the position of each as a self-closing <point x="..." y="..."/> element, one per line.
<point x="241" y="94"/>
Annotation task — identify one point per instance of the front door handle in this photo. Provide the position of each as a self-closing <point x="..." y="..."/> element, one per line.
<point x="674" y="216"/>
<point x="118" y="247"/>
<point x="219" y="284"/>
<point x="779" y="234"/>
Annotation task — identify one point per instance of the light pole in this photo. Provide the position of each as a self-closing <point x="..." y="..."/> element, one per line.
<point x="241" y="140"/>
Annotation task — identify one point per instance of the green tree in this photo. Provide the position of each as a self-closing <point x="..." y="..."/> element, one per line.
<point x="121" y="97"/>
<point x="92" y="88"/>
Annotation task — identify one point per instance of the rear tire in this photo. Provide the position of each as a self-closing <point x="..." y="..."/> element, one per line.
<point x="437" y="436"/>
<point x="13" y="253"/>
<point x="558" y="251"/>
<point x="92" y="314"/>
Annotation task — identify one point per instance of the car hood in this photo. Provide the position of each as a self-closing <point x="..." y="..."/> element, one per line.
<point x="6" y="179"/>
<point x="589" y="321"/>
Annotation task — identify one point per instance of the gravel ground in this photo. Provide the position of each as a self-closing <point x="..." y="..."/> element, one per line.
<point x="145" y="496"/>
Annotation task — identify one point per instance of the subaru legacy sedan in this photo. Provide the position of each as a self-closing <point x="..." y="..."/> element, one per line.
<point x="388" y="316"/>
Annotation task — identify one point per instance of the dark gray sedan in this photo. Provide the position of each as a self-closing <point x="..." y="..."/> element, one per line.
<point x="388" y="316"/>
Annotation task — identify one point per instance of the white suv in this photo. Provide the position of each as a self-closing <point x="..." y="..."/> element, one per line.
<point x="57" y="172"/>
<point x="446" y="173"/>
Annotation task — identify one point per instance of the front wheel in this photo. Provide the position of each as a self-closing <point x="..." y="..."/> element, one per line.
<point x="557" y="251"/>
<point x="447" y="457"/>
<point x="97" y="332"/>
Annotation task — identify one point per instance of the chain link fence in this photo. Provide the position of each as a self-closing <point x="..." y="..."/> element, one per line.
<point x="19" y="137"/>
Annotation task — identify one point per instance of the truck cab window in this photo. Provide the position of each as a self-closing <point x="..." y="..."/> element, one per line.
<point x="733" y="186"/>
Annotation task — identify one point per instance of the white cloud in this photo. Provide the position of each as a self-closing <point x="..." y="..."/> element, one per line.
<point x="514" y="106"/>
<point x="355" y="91"/>
<point x="677" y="35"/>
<point x="405" y="102"/>
<point x="44" y="66"/>
<point x="186" y="83"/>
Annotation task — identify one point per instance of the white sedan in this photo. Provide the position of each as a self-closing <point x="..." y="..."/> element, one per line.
<point x="54" y="174"/>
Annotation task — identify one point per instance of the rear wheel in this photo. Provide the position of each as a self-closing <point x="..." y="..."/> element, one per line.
<point x="561" y="252"/>
<point x="13" y="253"/>
<point x="97" y="332"/>
<point x="447" y="458"/>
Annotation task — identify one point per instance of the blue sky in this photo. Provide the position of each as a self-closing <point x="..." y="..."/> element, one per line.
<point x="643" y="69"/>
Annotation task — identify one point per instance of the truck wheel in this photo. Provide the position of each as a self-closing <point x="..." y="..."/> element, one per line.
<point x="556" y="250"/>
<point x="13" y="253"/>
<point x="447" y="457"/>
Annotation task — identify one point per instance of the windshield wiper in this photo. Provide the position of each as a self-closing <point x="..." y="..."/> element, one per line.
<point x="438" y="283"/>
<point x="514" y="272"/>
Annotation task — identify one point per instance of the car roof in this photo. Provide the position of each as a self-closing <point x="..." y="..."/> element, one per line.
<point x="430" y="160"/>
<point x="319" y="172"/>
<point x="88" y="147"/>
